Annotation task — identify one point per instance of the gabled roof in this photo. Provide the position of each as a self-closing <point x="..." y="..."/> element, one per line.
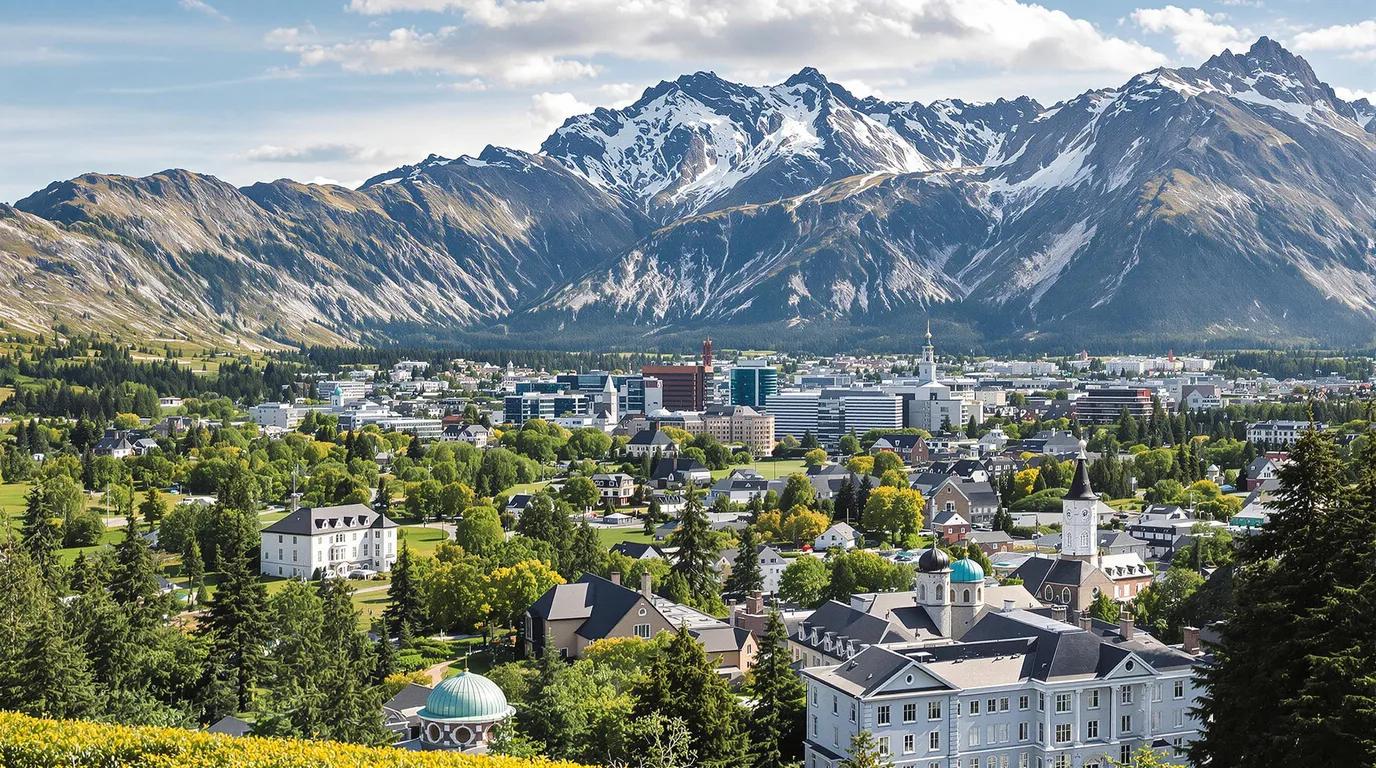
<point x="1038" y="571"/>
<point x="315" y="521"/>
<point x="846" y="622"/>
<point x="651" y="437"/>
<point x="597" y="601"/>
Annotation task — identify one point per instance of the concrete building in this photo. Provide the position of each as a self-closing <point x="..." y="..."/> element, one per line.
<point x="753" y="382"/>
<point x="333" y="541"/>
<point x="795" y="413"/>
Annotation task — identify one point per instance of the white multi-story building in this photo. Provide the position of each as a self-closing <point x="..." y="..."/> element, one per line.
<point x="340" y="391"/>
<point x="330" y="541"/>
<point x="795" y="413"/>
<point x="281" y="415"/>
<point x="1278" y="432"/>
<point x="935" y="404"/>
<point x="1021" y="689"/>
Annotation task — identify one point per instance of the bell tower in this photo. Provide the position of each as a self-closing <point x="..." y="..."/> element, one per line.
<point x="926" y="367"/>
<point x="1080" y="516"/>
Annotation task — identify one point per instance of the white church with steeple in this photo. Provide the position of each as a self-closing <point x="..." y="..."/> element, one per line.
<point x="935" y="404"/>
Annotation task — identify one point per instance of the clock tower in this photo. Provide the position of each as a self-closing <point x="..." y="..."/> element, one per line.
<point x="1080" y="516"/>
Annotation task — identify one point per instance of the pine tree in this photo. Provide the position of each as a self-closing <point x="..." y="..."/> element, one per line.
<point x="54" y="673"/>
<point x="134" y="583"/>
<point x="776" y="721"/>
<point x="236" y="623"/>
<point x="845" y="500"/>
<point x="193" y="566"/>
<point x="405" y="605"/>
<point x="1297" y="645"/>
<point x="697" y="552"/>
<point x="745" y="577"/>
<point x="865" y="753"/>
<point x="351" y="708"/>
<point x="683" y="683"/>
<point x="586" y="551"/>
<point x="42" y="534"/>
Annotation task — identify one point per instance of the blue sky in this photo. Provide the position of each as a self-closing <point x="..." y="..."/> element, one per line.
<point x="340" y="89"/>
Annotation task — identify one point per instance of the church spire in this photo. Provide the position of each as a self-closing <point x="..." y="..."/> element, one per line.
<point x="926" y="368"/>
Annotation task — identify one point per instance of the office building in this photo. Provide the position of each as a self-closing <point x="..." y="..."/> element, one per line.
<point x="684" y="387"/>
<point x="1105" y="406"/>
<point x="795" y="413"/>
<point x="753" y="382"/>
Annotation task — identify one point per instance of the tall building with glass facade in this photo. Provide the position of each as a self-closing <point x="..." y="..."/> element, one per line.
<point x="753" y="382"/>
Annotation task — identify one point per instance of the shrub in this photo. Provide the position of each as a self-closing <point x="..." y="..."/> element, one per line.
<point x="27" y="742"/>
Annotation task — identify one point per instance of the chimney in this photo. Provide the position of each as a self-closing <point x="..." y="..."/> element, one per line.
<point x="645" y="585"/>
<point x="616" y="577"/>
<point x="754" y="604"/>
<point x="1008" y="606"/>
<point x="1086" y="621"/>
<point x="1191" y="642"/>
<point x="1125" y="627"/>
<point x="1058" y="613"/>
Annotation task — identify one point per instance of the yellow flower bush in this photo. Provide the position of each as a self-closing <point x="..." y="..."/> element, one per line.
<point x="27" y="742"/>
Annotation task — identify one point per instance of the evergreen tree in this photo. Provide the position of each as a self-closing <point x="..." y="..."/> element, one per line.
<point x="405" y="604"/>
<point x="683" y="683"/>
<point x="236" y="623"/>
<point x="697" y="553"/>
<point x="745" y="577"/>
<point x="1297" y="645"/>
<point x="54" y="673"/>
<point x="865" y="753"/>
<point x="134" y="583"/>
<point x="193" y="566"/>
<point x="153" y="508"/>
<point x="352" y="707"/>
<point x="776" y="722"/>
<point x="42" y="533"/>
<point x="845" y="500"/>
<point x="586" y="552"/>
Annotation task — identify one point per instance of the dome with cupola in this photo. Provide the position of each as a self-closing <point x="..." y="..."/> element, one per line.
<point x="966" y="571"/>
<point x="933" y="560"/>
<point x="460" y="712"/>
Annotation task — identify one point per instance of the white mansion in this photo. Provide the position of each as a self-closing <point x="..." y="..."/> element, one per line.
<point x="331" y="540"/>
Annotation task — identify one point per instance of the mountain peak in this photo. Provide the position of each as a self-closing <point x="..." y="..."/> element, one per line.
<point x="1265" y="56"/>
<point x="809" y="76"/>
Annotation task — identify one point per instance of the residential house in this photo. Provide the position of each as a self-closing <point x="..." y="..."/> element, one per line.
<point x="772" y="565"/>
<point x="332" y="541"/>
<point x="949" y="525"/>
<point x="839" y="535"/>
<point x="912" y="448"/>
<point x="679" y="470"/>
<point x="991" y="542"/>
<point x="617" y="488"/>
<point x="974" y="500"/>
<point x="651" y="442"/>
<point x="116" y="443"/>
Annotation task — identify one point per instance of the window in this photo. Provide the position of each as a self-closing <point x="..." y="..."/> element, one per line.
<point x="814" y="725"/>
<point x="991" y="762"/>
<point x="1062" y="761"/>
<point x="909" y="743"/>
<point x="835" y="705"/>
<point x="934" y="740"/>
<point x="1125" y="723"/>
<point x="1003" y="704"/>
<point x="1003" y="732"/>
<point x="1179" y="718"/>
<point x="1179" y="692"/>
<point x="883" y="745"/>
<point x="974" y="706"/>
<point x="1156" y="692"/>
<point x="881" y="715"/>
<point x="852" y="711"/>
<point x="1023" y="703"/>
<point x="972" y="740"/>
<point x="1092" y="729"/>
<point x="1125" y="754"/>
<point x="642" y="631"/>
<point x="814" y="695"/>
<point x="279" y="538"/>
<point x="989" y="734"/>
<point x="1022" y="760"/>
<point x="991" y="705"/>
<point x="1022" y="731"/>
<point x="1062" y="703"/>
<point x="1063" y="733"/>
<point x="933" y="710"/>
<point x="909" y="713"/>
<point x="1125" y="695"/>
<point x="642" y="612"/>
<point x="1094" y="698"/>
<point x="1041" y="702"/>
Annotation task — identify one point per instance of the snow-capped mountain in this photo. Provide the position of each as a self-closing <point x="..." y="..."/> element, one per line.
<point x="1228" y="201"/>
<point x="701" y="143"/>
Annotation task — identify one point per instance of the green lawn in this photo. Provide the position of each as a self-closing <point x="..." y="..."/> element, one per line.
<point x="422" y="541"/>
<point x="613" y="536"/>
<point x="770" y="468"/>
<point x="525" y="488"/>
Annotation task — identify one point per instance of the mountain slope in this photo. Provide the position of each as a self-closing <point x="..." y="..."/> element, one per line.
<point x="1232" y="200"/>
<point x="1229" y="201"/>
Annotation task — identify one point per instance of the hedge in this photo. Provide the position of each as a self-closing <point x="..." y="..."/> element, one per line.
<point x="27" y="742"/>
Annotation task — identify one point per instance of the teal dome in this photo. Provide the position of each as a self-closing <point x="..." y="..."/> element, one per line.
<point x="966" y="571"/>
<point x="466" y="697"/>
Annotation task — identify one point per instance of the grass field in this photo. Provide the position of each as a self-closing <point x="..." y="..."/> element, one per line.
<point x="421" y="540"/>
<point x="770" y="468"/>
<point x="613" y="536"/>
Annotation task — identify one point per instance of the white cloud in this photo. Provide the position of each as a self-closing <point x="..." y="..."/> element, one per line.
<point x="549" y="110"/>
<point x="1353" y="94"/>
<point x="1355" y="41"/>
<point x="1195" y="32"/>
<point x="204" y="8"/>
<point x="518" y="42"/>
<point x="315" y="153"/>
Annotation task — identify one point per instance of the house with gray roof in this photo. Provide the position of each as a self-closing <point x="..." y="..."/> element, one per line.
<point x="1021" y="688"/>
<point x="329" y="541"/>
